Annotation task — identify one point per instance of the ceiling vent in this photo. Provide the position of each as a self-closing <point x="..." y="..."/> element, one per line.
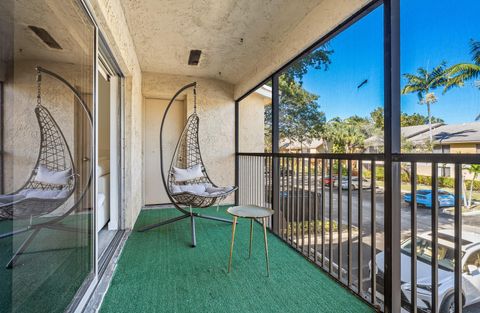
<point x="194" y="57"/>
<point x="45" y="37"/>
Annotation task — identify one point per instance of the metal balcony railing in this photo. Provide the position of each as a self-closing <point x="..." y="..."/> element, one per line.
<point x="330" y="208"/>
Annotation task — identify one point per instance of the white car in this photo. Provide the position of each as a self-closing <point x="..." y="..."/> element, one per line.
<point x="470" y="266"/>
<point x="366" y="184"/>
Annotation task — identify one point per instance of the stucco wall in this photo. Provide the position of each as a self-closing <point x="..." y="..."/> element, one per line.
<point x="325" y="17"/>
<point x="216" y="110"/>
<point x="111" y="21"/>
<point x="251" y="123"/>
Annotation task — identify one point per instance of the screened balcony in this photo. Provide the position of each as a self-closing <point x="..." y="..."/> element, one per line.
<point x="356" y="122"/>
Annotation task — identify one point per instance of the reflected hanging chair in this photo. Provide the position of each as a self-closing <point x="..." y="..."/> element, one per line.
<point x="187" y="183"/>
<point x="42" y="194"/>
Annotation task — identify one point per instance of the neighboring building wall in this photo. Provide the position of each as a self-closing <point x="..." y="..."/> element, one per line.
<point x="251" y="123"/>
<point x="216" y="110"/>
<point x="463" y="148"/>
<point x="111" y="21"/>
<point x="325" y="17"/>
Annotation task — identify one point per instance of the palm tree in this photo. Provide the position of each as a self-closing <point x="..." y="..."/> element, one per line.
<point x="473" y="169"/>
<point x="459" y="73"/>
<point x="423" y="83"/>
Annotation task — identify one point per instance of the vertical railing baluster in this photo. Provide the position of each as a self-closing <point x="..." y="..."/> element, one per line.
<point x="458" y="238"/>
<point x="373" y="221"/>
<point x="315" y="210"/>
<point x="282" y="197"/>
<point x="287" y="199"/>
<point x="252" y="179"/>
<point x="323" y="212"/>
<point x="360" y="228"/>
<point x="413" y="232"/>
<point x="339" y="223"/>
<point x="292" y="201"/>
<point x="349" y="204"/>
<point x="297" y="203"/>
<point x="271" y="181"/>
<point x="268" y="171"/>
<point x="434" y="237"/>
<point x="303" y="205"/>
<point x="330" y="215"/>
<point x="267" y="181"/>
<point x="309" y="187"/>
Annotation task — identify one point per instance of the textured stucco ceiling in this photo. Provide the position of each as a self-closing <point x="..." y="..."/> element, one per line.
<point x="232" y="34"/>
<point x="63" y="19"/>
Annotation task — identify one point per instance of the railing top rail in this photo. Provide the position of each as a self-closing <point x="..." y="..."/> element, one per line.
<point x="400" y="157"/>
<point x="341" y="156"/>
<point x="437" y="158"/>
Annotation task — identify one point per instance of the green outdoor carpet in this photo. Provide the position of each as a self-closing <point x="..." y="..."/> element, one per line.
<point x="158" y="271"/>
<point x="49" y="273"/>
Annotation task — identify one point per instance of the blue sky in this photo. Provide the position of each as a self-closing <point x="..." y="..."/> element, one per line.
<point x="431" y="32"/>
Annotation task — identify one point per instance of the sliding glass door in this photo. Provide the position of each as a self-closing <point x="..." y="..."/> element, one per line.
<point x="47" y="206"/>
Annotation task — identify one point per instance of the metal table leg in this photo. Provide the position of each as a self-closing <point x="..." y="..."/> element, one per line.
<point x="234" y="225"/>
<point x="251" y="238"/>
<point x="266" y="244"/>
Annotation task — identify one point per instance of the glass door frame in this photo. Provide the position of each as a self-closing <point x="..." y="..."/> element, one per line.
<point x="101" y="50"/>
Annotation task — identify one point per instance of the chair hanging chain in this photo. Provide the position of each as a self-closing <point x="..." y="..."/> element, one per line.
<point x="39" y="96"/>
<point x="195" y="99"/>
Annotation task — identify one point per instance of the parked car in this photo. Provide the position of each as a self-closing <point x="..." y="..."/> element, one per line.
<point x="366" y="184"/>
<point x="424" y="198"/>
<point x="446" y="286"/>
<point x="285" y="172"/>
<point x="327" y="181"/>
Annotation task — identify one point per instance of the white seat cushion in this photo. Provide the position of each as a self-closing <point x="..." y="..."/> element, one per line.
<point x="44" y="194"/>
<point x="11" y="198"/>
<point x="186" y="174"/>
<point x="46" y="176"/>
<point x="201" y="189"/>
<point x="197" y="189"/>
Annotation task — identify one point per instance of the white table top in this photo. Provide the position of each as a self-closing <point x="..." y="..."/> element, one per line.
<point x="250" y="211"/>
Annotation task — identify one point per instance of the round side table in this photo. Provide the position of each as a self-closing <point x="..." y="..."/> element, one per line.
<point x="252" y="212"/>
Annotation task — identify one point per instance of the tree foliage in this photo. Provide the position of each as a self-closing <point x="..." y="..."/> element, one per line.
<point x="459" y="73"/>
<point x="405" y="119"/>
<point x="318" y="59"/>
<point x="300" y="116"/>
<point x="347" y="135"/>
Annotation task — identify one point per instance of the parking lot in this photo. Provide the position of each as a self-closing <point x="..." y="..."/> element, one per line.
<point x="445" y="221"/>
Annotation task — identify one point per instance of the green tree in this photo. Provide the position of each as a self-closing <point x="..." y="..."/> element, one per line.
<point x="417" y="119"/>
<point x="423" y="83"/>
<point x="318" y="59"/>
<point x="405" y="119"/>
<point x="348" y="135"/>
<point x="459" y="73"/>
<point x="378" y="118"/>
<point x="300" y="116"/>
